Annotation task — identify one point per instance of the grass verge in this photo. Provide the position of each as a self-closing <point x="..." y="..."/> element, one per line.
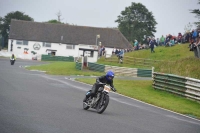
<point x="143" y="91"/>
<point x="63" y="68"/>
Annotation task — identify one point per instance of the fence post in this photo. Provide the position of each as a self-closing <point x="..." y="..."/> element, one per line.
<point x="152" y="71"/>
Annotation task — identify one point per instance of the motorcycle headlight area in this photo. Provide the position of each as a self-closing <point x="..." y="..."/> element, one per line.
<point x="107" y="88"/>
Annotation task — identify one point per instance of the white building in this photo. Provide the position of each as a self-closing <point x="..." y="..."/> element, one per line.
<point x="27" y="38"/>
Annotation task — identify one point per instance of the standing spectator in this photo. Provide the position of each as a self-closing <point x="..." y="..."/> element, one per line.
<point x="103" y="51"/>
<point x="162" y="40"/>
<point x="187" y="38"/>
<point x="179" y="38"/>
<point x="116" y="51"/>
<point x="194" y="35"/>
<point x="151" y="45"/>
<point x="190" y="36"/>
<point x="158" y="42"/>
<point x="136" y="45"/>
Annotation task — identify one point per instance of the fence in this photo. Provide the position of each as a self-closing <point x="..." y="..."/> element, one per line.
<point x="79" y="65"/>
<point x="57" y="58"/>
<point x="124" y="71"/>
<point x="187" y="87"/>
<point x="133" y="61"/>
<point x="96" y="67"/>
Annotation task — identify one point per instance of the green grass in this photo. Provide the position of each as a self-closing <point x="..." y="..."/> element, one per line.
<point x="63" y="68"/>
<point x="179" y="51"/>
<point x="142" y="90"/>
<point x="184" y="64"/>
<point x="176" y="60"/>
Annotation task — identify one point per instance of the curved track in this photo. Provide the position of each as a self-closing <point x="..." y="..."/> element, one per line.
<point x="33" y="102"/>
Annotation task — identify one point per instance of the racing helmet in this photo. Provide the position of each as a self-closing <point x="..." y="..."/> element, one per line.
<point x="110" y="75"/>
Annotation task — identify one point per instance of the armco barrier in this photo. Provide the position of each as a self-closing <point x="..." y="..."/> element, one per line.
<point x="187" y="87"/>
<point x="96" y="67"/>
<point x="124" y="71"/>
<point x="78" y="65"/>
<point x="57" y="58"/>
<point x="144" y="73"/>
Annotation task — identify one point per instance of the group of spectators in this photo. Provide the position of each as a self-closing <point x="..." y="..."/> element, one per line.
<point x="194" y="40"/>
<point x="170" y="40"/>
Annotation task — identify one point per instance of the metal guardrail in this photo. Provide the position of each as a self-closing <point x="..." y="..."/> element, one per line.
<point x="124" y="71"/>
<point x="184" y="86"/>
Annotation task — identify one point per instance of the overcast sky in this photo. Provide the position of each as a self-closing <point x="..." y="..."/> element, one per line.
<point x="171" y="15"/>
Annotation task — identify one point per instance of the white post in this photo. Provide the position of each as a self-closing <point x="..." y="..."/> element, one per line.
<point x="152" y="71"/>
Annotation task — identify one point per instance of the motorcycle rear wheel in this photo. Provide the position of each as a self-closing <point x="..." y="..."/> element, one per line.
<point x="101" y="107"/>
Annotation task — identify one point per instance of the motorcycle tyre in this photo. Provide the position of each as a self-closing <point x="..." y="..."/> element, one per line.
<point x="84" y="106"/>
<point x="106" y="97"/>
<point x="12" y="62"/>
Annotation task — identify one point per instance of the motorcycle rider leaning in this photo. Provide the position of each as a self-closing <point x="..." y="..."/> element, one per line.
<point x="108" y="79"/>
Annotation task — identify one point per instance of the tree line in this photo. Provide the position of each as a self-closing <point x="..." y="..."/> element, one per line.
<point x="136" y="21"/>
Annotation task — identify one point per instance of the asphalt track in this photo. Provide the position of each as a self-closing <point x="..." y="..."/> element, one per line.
<point x="33" y="102"/>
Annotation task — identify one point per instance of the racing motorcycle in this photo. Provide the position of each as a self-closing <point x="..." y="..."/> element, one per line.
<point x="100" y="100"/>
<point x="12" y="61"/>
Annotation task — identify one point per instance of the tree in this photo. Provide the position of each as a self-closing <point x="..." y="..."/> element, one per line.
<point x="54" y="21"/>
<point x="136" y="21"/>
<point x="5" y="23"/>
<point x="197" y="12"/>
<point x="188" y="28"/>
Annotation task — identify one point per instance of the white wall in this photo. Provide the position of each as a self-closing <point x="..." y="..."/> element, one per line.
<point x="61" y="50"/>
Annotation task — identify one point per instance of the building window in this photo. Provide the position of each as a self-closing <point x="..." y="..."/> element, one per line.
<point x="45" y="44"/>
<point x="21" y="42"/>
<point x="70" y="46"/>
<point x="89" y="53"/>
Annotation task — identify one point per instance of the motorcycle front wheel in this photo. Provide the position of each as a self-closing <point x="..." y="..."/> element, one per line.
<point x="85" y="105"/>
<point x="103" y="105"/>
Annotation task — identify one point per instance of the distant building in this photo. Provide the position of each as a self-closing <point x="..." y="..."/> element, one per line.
<point x="27" y="38"/>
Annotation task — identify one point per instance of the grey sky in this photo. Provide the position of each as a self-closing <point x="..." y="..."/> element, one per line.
<point x="171" y="15"/>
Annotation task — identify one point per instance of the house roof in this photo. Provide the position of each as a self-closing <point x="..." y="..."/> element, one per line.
<point x="66" y="34"/>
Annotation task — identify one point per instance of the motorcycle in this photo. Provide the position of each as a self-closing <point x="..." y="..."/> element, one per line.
<point x="100" y="100"/>
<point x="12" y="61"/>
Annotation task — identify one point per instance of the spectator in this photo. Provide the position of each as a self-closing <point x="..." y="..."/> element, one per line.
<point x="187" y="38"/>
<point x="151" y="45"/>
<point x="136" y="45"/>
<point x="162" y="40"/>
<point x="116" y="51"/>
<point x="158" y="42"/>
<point x="179" y="40"/>
<point x="171" y="43"/>
<point x="194" y="35"/>
<point x="190" y="36"/>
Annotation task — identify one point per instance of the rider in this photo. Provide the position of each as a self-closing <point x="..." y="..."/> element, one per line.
<point x="13" y="57"/>
<point x="108" y="79"/>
